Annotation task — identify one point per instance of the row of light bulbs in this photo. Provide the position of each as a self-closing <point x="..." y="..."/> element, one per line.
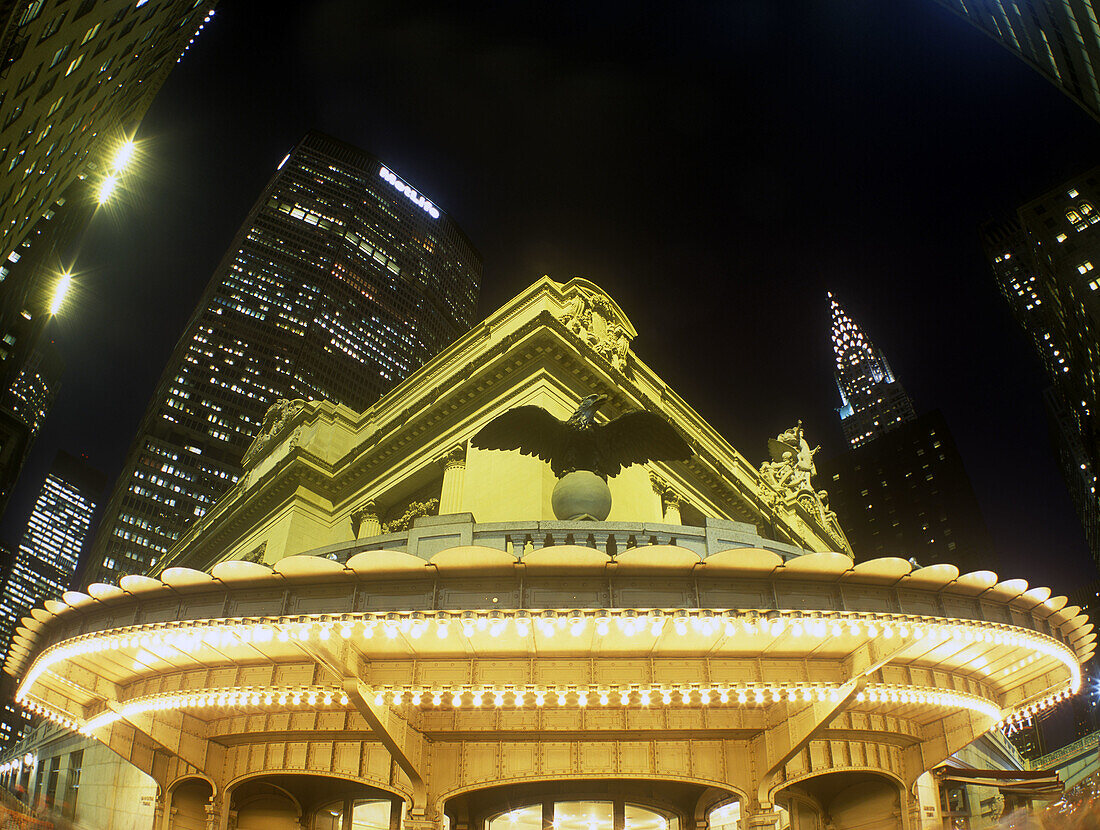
<point x="563" y="696"/>
<point x="1025" y="713"/>
<point x="189" y="636"/>
<point x="17" y="763"/>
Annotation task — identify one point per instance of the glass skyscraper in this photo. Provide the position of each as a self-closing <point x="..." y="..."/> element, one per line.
<point x="872" y="400"/>
<point x="342" y="280"/>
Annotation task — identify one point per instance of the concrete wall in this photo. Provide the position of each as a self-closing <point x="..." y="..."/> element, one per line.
<point x="113" y="794"/>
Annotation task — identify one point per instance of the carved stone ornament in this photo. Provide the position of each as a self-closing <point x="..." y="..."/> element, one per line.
<point x="412" y="512"/>
<point x="663" y="489"/>
<point x="275" y="420"/>
<point x="790" y="474"/>
<point x="591" y="318"/>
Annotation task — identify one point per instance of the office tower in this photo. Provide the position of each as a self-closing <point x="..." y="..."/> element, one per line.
<point x="906" y="493"/>
<point x="23" y="408"/>
<point x="77" y="78"/>
<point x="342" y="280"/>
<point x="902" y="489"/>
<point x="1046" y="262"/>
<point x="49" y="552"/>
<point x="1061" y="41"/>
<point x="872" y="400"/>
<point x="47" y="559"/>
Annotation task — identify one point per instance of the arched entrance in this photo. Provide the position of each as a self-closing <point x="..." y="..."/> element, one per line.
<point x="188" y="803"/>
<point x="288" y="801"/>
<point x="579" y="805"/>
<point x="845" y="801"/>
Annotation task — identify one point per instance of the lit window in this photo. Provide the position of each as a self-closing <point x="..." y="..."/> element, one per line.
<point x="1062" y="237"/>
<point x="1084" y="267"/>
<point x="1072" y="194"/>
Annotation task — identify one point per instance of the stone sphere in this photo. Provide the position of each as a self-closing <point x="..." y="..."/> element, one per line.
<point x="581" y="495"/>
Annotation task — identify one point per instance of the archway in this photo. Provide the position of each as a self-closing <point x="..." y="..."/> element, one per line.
<point x="187" y="804"/>
<point x="581" y="804"/>
<point x="299" y="801"/>
<point x="854" y="800"/>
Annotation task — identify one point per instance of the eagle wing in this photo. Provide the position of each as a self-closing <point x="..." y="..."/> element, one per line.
<point x="637" y="437"/>
<point x="530" y="429"/>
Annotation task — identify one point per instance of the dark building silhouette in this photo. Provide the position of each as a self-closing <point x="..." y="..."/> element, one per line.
<point x="24" y="406"/>
<point x="1046" y="263"/>
<point x="907" y="494"/>
<point x="341" y="281"/>
<point x="1061" y="41"/>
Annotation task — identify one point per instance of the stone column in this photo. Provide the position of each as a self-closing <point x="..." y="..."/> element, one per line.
<point x="672" y="508"/>
<point x="365" y="521"/>
<point x="764" y="820"/>
<point x="422" y="822"/>
<point x="454" y="473"/>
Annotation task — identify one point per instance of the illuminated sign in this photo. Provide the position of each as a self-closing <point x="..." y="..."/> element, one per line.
<point x="410" y="192"/>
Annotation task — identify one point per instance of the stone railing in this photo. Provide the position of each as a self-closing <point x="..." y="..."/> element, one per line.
<point x="431" y="534"/>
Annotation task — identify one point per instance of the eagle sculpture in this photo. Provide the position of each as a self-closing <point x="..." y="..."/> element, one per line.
<point x="580" y="443"/>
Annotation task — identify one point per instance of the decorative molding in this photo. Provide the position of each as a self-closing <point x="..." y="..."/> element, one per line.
<point x="591" y="318"/>
<point x="275" y="421"/>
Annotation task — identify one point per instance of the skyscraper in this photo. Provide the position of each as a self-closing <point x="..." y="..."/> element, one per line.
<point x="46" y="562"/>
<point x="77" y="79"/>
<point x="23" y="408"/>
<point x="50" y="549"/>
<point x="1061" y="41"/>
<point x="342" y="280"/>
<point x="1046" y="262"/>
<point x="872" y="400"/>
<point x="907" y="494"/>
<point x="901" y="489"/>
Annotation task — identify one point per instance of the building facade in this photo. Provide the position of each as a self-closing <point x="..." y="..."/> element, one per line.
<point x="342" y="280"/>
<point x="47" y="559"/>
<point x="872" y="400"/>
<point x="1061" y="41"/>
<point x="23" y="409"/>
<point x="1046" y="262"/>
<point x="49" y="551"/>
<point x="385" y="625"/>
<point x="907" y="494"/>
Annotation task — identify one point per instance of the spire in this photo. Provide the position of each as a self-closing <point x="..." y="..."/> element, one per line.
<point x="872" y="401"/>
<point x="850" y="344"/>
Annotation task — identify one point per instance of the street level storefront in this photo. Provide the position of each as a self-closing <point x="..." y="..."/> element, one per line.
<point x="383" y="626"/>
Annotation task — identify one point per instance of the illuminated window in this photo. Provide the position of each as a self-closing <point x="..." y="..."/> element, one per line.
<point x="1062" y="237"/>
<point x="1084" y="267"/>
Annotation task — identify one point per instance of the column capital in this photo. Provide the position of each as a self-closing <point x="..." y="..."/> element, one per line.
<point x="454" y="457"/>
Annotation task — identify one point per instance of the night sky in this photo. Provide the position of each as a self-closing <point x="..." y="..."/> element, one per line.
<point x="716" y="167"/>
